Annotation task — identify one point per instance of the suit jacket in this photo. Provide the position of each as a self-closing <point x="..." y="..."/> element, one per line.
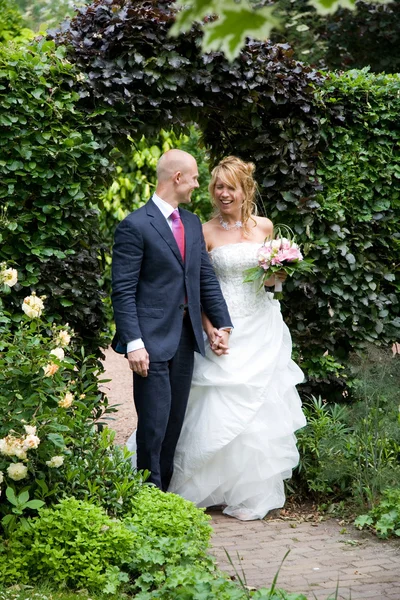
<point x="150" y="283"/>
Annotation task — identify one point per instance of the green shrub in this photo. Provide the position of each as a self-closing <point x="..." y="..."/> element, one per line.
<point x="172" y="532"/>
<point x="51" y="412"/>
<point x="74" y="544"/>
<point x="11" y="23"/>
<point x="384" y="519"/>
<point x="353" y="451"/>
<point x="51" y="167"/>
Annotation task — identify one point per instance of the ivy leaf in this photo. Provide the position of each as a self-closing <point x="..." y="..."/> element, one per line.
<point x="327" y="7"/>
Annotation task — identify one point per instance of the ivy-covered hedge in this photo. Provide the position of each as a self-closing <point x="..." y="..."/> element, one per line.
<point x="50" y="172"/>
<point x="354" y="235"/>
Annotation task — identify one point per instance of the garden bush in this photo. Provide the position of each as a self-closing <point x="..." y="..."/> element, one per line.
<point x="51" y="411"/>
<point x="172" y="532"/>
<point x="352" y="452"/>
<point x="11" y="23"/>
<point x="51" y="167"/>
<point x="384" y="518"/>
<point x="73" y="544"/>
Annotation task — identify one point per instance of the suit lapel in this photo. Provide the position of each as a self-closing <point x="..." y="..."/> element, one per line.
<point x="159" y="222"/>
<point x="188" y="235"/>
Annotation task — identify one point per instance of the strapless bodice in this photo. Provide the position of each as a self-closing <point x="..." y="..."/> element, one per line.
<point x="230" y="262"/>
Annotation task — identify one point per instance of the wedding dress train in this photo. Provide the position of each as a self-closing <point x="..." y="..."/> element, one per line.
<point x="237" y="444"/>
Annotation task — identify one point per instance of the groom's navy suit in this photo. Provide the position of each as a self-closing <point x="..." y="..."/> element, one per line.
<point x="158" y="297"/>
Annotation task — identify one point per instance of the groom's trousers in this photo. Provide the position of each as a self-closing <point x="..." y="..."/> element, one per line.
<point x="160" y="401"/>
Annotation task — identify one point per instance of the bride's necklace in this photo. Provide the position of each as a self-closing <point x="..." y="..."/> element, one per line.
<point x="227" y="227"/>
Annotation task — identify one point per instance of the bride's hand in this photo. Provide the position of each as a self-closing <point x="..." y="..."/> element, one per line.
<point x="280" y="275"/>
<point x="217" y="342"/>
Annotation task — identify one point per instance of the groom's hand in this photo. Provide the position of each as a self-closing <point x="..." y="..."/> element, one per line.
<point x="139" y="361"/>
<point x="220" y="344"/>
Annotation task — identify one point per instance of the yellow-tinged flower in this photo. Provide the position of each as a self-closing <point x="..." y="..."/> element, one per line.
<point x="31" y="442"/>
<point x="66" y="401"/>
<point x="55" y="462"/>
<point x="63" y="338"/>
<point x="50" y="369"/>
<point x="33" y="306"/>
<point x="8" y="276"/>
<point x="12" y="446"/>
<point x="17" y="471"/>
<point x="82" y="396"/>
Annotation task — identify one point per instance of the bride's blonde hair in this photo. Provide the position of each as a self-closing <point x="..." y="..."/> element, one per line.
<point x="237" y="173"/>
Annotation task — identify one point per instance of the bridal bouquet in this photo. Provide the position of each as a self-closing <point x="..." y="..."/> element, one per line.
<point x="278" y="254"/>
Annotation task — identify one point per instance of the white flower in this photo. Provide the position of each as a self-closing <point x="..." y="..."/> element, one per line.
<point x="30" y="429"/>
<point x="31" y="442"/>
<point x="55" y="462"/>
<point x="58" y="353"/>
<point x="33" y="306"/>
<point x="66" y="401"/>
<point x="63" y="338"/>
<point x="12" y="446"/>
<point x="9" y="277"/>
<point x="276" y="244"/>
<point x="1" y="477"/>
<point x="17" y="471"/>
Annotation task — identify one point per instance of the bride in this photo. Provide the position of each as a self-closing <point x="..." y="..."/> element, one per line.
<point x="237" y="443"/>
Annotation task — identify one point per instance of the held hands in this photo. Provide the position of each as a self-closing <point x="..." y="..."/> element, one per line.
<point x="139" y="361"/>
<point x="219" y="340"/>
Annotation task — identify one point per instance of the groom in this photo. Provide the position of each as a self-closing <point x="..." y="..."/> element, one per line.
<point x="162" y="279"/>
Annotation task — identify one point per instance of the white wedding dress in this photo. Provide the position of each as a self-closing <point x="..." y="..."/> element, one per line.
<point x="237" y="443"/>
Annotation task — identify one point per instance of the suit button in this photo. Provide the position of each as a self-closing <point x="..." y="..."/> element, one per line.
<point x="181" y="306"/>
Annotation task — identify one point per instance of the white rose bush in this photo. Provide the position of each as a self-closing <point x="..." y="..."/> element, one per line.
<point x="49" y="402"/>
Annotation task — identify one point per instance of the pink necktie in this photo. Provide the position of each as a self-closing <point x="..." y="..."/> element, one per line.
<point x="178" y="231"/>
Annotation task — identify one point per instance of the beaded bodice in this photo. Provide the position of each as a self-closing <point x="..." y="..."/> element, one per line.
<point x="229" y="262"/>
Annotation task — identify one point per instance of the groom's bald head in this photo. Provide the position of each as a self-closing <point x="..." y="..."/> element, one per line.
<point x="177" y="177"/>
<point x="172" y="162"/>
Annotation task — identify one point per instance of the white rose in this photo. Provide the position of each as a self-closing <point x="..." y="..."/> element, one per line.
<point x="17" y="471"/>
<point x="63" y="338"/>
<point x="31" y="442"/>
<point x="58" y="353"/>
<point x="30" y="429"/>
<point x="55" y="462"/>
<point x="32" y="306"/>
<point x="276" y="244"/>
<point x="66" y="401"/>
<point x="9" y="277"/>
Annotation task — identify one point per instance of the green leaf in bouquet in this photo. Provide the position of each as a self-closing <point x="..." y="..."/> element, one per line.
<point x="253" y="274"/>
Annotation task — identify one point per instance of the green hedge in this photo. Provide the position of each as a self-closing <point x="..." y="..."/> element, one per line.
<point x="50" y="172"/>
<point x="11" y="23"/>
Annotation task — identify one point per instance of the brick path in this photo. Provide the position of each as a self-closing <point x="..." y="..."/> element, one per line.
<point x="321" y="554"/>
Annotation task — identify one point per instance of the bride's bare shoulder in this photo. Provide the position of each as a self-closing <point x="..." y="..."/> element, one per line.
<point x="209" y="232"/>
<point x="265" y="225"/>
